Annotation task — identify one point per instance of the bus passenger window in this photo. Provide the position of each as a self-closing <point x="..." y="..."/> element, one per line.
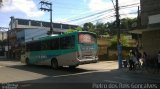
<point x="67" y="42"/>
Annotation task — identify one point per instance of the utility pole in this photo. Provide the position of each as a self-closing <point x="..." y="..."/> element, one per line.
<point x="1" y="3"/>
<point x="138" y="18"/>
<point x="119" y="46"/>
<point x="48" y="7"/>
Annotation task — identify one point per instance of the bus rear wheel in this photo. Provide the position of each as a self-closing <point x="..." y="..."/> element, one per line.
<point x="54" y="64"/>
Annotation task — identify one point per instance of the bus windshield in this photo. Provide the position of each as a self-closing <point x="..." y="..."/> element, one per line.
<point x="87" y="38"/>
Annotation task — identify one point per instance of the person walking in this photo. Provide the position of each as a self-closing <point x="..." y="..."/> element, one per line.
<point x="132" y="59"/>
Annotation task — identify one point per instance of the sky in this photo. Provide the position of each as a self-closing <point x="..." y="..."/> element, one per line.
<point x="66" y="11"/>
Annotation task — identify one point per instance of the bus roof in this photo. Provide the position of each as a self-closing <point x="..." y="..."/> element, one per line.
<point x="60" y="35"/>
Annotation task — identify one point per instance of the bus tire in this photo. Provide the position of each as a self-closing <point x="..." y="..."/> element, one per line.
<point x="27" y="61"/>
<point x="54" y="64"/>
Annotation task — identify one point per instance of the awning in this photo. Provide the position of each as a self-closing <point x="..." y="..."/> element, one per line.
<point x="137" y="31"/>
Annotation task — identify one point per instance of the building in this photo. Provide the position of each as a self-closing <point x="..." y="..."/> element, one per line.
<point x="3" y="35"/>
<point x="150" y="20"/>
<point x="150" y="13"/>
<point x="23" y="30"/>
<point x="3" y="42"/>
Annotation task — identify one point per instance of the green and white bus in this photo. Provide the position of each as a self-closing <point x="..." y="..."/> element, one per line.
<point x="71" y="49"/>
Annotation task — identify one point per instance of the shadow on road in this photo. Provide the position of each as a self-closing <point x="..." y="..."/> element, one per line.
<point x="46" y="70"/>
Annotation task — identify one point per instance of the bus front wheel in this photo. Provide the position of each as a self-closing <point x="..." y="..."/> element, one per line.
<point x="54" y="64"/>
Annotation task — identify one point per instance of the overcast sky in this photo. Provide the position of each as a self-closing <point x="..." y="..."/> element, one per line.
<point x="64" y="10"/>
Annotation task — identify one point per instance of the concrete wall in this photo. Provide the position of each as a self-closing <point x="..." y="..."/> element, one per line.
<point x="151" y="42"/>
<point x="148" y="8"/>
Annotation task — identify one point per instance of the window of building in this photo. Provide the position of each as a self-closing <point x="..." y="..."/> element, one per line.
<point x="57" y="25"/>
<point x="46" y="24"/>
<point x="35" y="23"/>
<point x="23" y="22"/>
<point x="65" y="26"/>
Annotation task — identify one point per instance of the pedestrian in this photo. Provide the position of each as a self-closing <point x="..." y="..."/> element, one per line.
<point x="135" y="61"/>
<point x="131" y="60"/>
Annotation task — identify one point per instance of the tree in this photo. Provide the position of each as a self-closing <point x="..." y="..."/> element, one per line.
<point x="124" y="41"/>
<point x="110" y="27"/>
<point x="88" y="27"/>
<point x="102" y="29"/>
<point x="127" y="23"/>
<point x="74" y="30"/>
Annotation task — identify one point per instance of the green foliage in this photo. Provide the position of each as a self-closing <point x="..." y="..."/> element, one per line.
<point x="78" y="29"/>
<point x="74" y="30"/>
<point x="100" y="29"/>
<point x="110" y="27"/>
<point x="70" y="31"/>
<point x="88" y="27"/>
<point x="124" y="41"/>
<point x="127" y="23"/>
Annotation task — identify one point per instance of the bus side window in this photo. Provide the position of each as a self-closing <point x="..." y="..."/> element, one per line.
<point x="37" y="46"/>
<point x="72" y="41"/>
<point x="62" y="43"/>
<point x="54" y="44"/>
<point x="43" y="45"/>
<point x="67" y="42"/>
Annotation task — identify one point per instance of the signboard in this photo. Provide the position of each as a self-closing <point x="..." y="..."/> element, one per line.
<point x="86" y="38"/>
<point x="154" y="19"/>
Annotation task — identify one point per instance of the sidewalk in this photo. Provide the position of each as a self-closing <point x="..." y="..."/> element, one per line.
<point x="7" y="59"/>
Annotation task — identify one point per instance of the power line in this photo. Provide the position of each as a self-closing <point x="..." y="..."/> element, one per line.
<point x="90" y="15"/>
<point x="109" y="17"/>
<point x="4" y="28"/>
<point x="100" y="15"/>
<point x="96" y="16"/>
<point x="130" y="5"/>
<point x="123" y="7"/>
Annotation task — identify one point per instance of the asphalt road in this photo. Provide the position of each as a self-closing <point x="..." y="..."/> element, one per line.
<point x="101" y="72"/>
